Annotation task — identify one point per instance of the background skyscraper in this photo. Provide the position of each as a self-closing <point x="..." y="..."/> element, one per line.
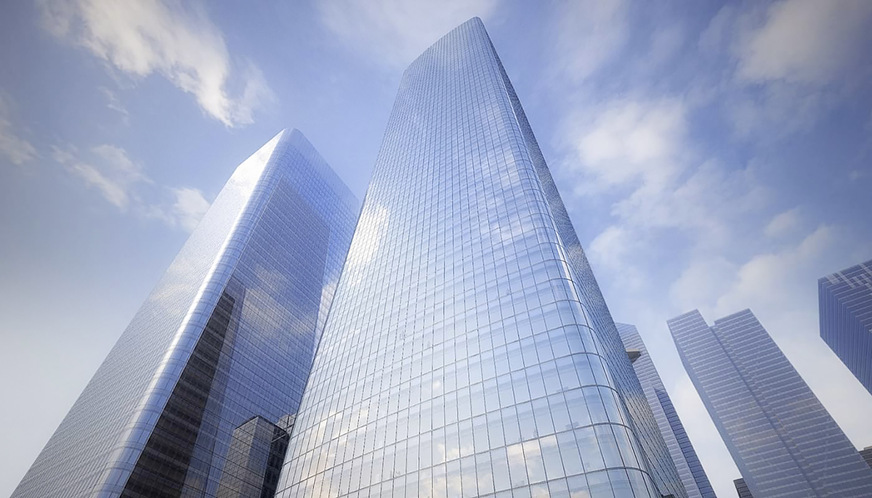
<point x="458" y="358"/>
<point x="680" y="448"/>
<point x="780" y="436"/>
<point x="226" y="335"/>
<point x="846" y="318"/>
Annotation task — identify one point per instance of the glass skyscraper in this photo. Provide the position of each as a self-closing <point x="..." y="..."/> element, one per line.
<point x="462" y="348"/>
<point x="782" y="439"/>
<point x="846" y="318"/>
<point x="461" y="357"/>
<point x="680" y="448"/>
<point x="198" y="396"/>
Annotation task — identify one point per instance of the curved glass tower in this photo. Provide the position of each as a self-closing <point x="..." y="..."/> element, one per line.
<point x="460" y="357"/>
<point x="198" y="395"/>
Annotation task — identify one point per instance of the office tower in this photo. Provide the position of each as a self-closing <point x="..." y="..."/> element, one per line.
<point x="744" y="492"/>
<point x="780" y="436"/>
<point x="680" y="448"/>
<point x="742" y="488"/>
<point x="866" y="453"/>
<point x="227" y="334"/>
<point x="458" y="358"/>
<point x="846" y="318"/>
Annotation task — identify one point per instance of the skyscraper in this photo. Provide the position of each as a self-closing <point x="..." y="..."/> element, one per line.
<point x="461" y="356"/>
<point x="742" y="488"/>
<point x="780" y="436"/>
<point x="680" y="448"/>
<point x="846" y="318"/>
<point x="226" y="338"/>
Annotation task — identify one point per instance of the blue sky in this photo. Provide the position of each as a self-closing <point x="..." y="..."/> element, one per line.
<point x="711" y="156"/>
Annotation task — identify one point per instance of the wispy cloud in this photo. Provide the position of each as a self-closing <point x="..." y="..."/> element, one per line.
<point x="174" y="39"/>
<point x="114" y="103"/>
<point x="189" y="207"/>
<point x="794" y="62"/>
<point x="629" y="141"/>
<point x="397" y="31"/>
<point x="588" y="35"/>
<point x="16" y="149"/>
<point x="805" y="41"/>
<point x="122" y="182"/>
<point x="111" y="172"/>
<point x="784" y="223"/>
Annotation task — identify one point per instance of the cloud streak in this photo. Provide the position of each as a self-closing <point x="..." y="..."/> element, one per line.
<point x="123" y="183"/>
<point x="175" y="40"/>
<point x="16" y="149"/>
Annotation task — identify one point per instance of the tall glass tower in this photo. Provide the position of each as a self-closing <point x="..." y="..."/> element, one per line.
<point x="460" y="357"/>
<point x="680" y="448"/>
<point x="198" y="395"/>
<point x="780" y="436"/>
<point x="846" y="318"/>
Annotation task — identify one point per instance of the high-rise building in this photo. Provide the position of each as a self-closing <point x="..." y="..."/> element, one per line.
<point x="211" y="367"/>
<point x="744" y="492"/>
<point x="782" y="439"/>
<point x="462" y="356"/>
<point x="680" y="448"/>
<point x="866" y="453"/>
<point x="846" y="318"/>
<point x="742" y="488"/>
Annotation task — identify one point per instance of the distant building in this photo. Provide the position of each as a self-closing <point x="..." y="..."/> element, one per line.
<point x="866" y="453"/>
<point x="783" y="441"/>
<point x="744" y="492"/>
<point x="742" y="488"/>
<point x="690" y="470"/>
<point x="845" y="300"/>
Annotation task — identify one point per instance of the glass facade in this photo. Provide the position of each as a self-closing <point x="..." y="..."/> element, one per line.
<point x="782" y="439"/>
<point x="226" y="337"/>
<point x="742" y="488"/>
<point x="690" y="470"/>
<point x="846" y="318"/>
<point x="459" y="358"/>
<point x="639" y="417"/>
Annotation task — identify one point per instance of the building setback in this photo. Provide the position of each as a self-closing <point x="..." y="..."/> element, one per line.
<point x="459" y="357"/>
<point x="845" y="300"/>
<point x="690" y="470"/>
<point x="227" y="336"/>
<point x="782" y="439"/>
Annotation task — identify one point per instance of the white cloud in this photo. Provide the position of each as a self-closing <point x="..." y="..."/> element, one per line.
<point x="609" y="251"/>
<point x="589" y="34"/>
<point x="175" y="40"/>
<point x="397" y="31"/>
<point x="763" y="280"/>
<point x="15" y="148"/>
<point x="806" y="41"/>
<point x="114" y="103"/>
<point x="124" y="184"/>
<point x="631" y="140"/>
<point x="111" y="172"/>
<point x="701" y="282"/>
<point x="189" y="208"/>
<point x="789" y="63"/>
<point x="783" y="223"/>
